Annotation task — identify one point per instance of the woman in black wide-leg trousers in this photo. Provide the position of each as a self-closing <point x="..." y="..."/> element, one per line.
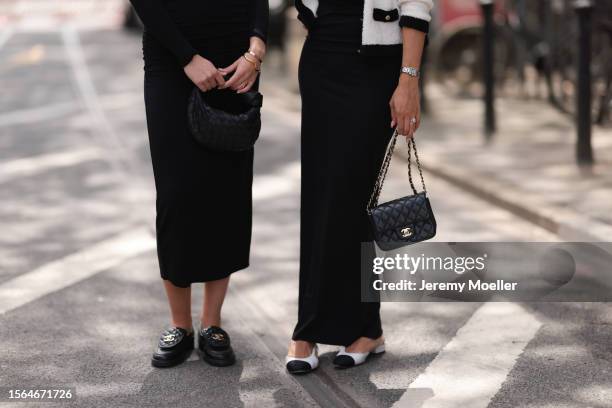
<point x="345" y="130"/>
<point x="346" y="127"/>
<point x="203" y="205"/>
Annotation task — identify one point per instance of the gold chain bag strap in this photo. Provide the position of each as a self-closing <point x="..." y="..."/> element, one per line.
<point x="405" y="220"/>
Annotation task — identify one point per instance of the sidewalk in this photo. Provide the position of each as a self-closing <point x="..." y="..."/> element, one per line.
<point x="529" y="168"/>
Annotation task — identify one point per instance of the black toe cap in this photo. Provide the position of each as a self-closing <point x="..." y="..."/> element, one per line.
<point x="298" y="367"/>
<point x="344" y="361"/>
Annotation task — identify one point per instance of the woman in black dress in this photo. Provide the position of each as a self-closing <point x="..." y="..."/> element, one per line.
<point x="208" y="44"/>
<point x="358" y="78"/>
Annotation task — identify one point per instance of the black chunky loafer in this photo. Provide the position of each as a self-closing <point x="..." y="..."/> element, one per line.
<point x="175" y="346"/>
<point x="215" y="348"/>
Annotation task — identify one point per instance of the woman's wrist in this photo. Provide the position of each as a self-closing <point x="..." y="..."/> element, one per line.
<point x="408" y="81"/>
<point x="254" y="61"/>
<point x="189" y="61"/>
<point x="257" y="48"/>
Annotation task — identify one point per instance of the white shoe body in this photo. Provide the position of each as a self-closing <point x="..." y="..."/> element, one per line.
<point x="346" y="359"/>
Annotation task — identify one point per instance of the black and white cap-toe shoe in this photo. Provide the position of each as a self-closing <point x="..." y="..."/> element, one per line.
<point x="344" y="359"/>
<point x="303" y="365"/>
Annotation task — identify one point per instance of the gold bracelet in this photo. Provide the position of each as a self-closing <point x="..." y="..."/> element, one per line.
<point x="256" y="56"/>
<point x="247" y="57"/>
<point x="252" y="62"/>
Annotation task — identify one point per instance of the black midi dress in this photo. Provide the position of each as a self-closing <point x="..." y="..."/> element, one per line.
<point x="203" y="222"/>
<point x="345" y="130"/>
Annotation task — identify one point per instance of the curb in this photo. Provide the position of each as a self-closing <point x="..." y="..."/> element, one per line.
<point x="567" y="224"/>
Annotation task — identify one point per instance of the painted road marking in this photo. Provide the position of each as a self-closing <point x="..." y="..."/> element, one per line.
<point x="73" y="268"/>
<point x="472" y="367"/>
<point x="29" y="116"/>
<point x="120" y="158"/>
<point x="29" y="166"/>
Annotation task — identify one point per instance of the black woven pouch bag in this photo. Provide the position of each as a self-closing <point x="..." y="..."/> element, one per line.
<point x="224" y="121"/>
<point x="406" y="220"/>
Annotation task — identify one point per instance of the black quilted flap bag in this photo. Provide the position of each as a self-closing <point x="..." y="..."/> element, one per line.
<point x="223" y="120"/>
<point x="406" y="220"/>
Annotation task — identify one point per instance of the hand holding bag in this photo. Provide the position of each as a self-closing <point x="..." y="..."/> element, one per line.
<point x="406" y="220"/>
<point x="225" y="121"/>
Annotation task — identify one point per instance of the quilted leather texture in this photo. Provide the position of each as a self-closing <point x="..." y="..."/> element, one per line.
<point x="171" y="337"/>
<point x="404" y="221"/>
<point x="222" y="131"/>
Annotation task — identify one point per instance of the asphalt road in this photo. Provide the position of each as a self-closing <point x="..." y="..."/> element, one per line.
<point x="83" y="304"/>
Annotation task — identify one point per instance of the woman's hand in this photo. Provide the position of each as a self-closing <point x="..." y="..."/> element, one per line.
<point x="245" y="72"/>
<point x="244" y="75"/>
<point x="405" y="106"/>
<point x="203" y="74"/>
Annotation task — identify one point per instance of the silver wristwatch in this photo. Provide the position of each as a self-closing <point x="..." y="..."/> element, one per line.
<point x="412" y="71"/>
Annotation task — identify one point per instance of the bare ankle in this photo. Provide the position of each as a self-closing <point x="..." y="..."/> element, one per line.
<point x="300" y="348"/>
<point x="363" y="344"/>
<point x="183" y="325"/>
<point x="208" y="320"/>
<point x="211" y="322"/>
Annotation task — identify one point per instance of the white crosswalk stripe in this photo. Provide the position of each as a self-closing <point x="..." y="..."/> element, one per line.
<point x="73" y="268"/>
<point x="472" y="367"/>
<point x="29" y="166"/>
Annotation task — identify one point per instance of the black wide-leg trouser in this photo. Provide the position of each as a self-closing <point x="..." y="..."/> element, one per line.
<point x="345" y="130"/>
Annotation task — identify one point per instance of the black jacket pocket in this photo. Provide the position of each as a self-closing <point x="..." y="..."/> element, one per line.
<point x="385" y="15"/>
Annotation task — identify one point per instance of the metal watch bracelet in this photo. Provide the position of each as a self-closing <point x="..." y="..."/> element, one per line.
<point x="411" y="71"/>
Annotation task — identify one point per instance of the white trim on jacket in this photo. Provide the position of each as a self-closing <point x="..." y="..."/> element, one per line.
<point x="385" y="31"/>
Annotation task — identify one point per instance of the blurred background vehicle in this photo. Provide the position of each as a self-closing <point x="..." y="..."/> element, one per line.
<point x="456" y="43"/>
<point x="536" y="51"/>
